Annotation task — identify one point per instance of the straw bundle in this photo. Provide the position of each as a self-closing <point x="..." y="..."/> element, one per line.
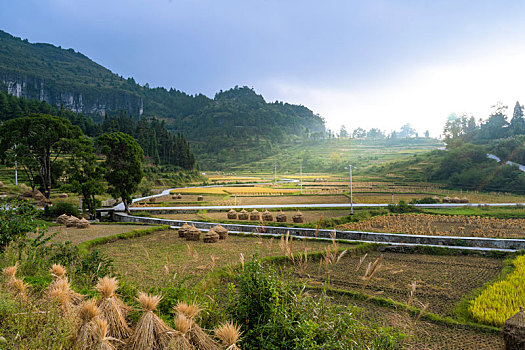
<point x="447" y="199"/>
<point x="85" y="337"/>
<point x="298" y="218"/>
<point x="9" y="272"/>
<point x="456" y="200"/>
<point x="57" y="271"/>
<point x="200" y="198"/>
<point x="101" y="339"/>
<point x="62" y="219"/>
<point x="179" y="196"/>
<point x="183" y="230"/>
<point x="514" y="331"/>
<point x="60" y="293"/>
<point x="232" y="214"/>
<point x="83" y="223"/>
<point x="243" y="215"/>
<point x="221" y="231"/>
<point x="63" y="195"/>
<point x="18" y="287"/>
<point x="180" y="339"/>
<point x="150" y="333"/>
<point x="211" y="236"/>
<point x="72" y="221"/>
<point x="196" y="335"/>
<point x="194" y="234"/>
<point x="62" y="284"/>
<point x="281" y="217"/>
<point x="112" y="308"/>
<point x="229" y="334"/>
<point x="255" y="215"/>
<point x="464" y="200"/>
<point x="267" y="216"/>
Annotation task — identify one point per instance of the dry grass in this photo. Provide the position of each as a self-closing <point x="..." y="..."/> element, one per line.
<point x="112" y="309"/>
<point x="150" y="332"/>
<point x="77" y="236"/>
<point x="229" y="334"/>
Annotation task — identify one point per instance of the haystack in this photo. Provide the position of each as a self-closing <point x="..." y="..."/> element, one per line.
<point x="242" y="215"/>
<point x="150" y="333"/>
<point x="281" y="217"/>
<point x="267" y="216"/>
<point x="229" y="334"/>
<point x="255" y="215"/>
<point x="102" y="341"/>
<point x="436" y="198"/>
<point x="112" y="308"/>
<point x="62" y="219"/>
<point x="83" y="223"/>
<point x="464" y="200"/>
<point x="1" y="184"/>
<point x="211" y="236"/>
<point x="179" y="196"/>
<point x="58" y="272"/>
<point x="61" y="282"/>
<point x="196" y="335"/>
<point x="232" y="214"/>
<point x="200" y="198"/>
<point x="63" y="195"/>
<point x="72" y="221"/>
<point x="514" y="331"/>
<point x="221" y="231"/>
<point x="447" y="199"/>
<point x="194" y="234"/>
<point x="298" y="217"/>
<point x="183" y="230"/>
<point x="85" y="336"/>
<point x="456" y="200"/>
<point x="180" y="339"/>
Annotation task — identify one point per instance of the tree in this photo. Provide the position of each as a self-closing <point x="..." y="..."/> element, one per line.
<point x="40" y="140"/>
<point x="86" y="174"/>
<point x="16" y="220"/>
<point x="123" y="164"/>
<point x="375" y="133"/>
<point x="407" y="131"/>
<point x="343" y="133"/>
<point x="359" y="133"/>
<point x="517" y="123"/>
<point x="427" y="134"/>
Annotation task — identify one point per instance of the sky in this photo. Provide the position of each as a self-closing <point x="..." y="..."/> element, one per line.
<point x="358" y="63"/>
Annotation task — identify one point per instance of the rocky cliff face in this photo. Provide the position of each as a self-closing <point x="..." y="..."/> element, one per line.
<point x="88" y="100"/>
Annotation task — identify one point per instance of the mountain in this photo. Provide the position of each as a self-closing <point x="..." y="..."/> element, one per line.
<point x="238" y="120"/>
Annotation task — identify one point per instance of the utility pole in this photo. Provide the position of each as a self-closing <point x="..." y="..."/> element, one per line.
<point x="351" y="192"/>
<point x="301" y="178"/>
<point x="275" y="174"/>
<point x="16" y="167"/>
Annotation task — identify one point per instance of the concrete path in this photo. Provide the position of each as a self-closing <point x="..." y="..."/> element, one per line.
<point x="496" y="158"/>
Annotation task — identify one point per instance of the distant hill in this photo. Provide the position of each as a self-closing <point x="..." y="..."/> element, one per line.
<point x="237" y="121"/>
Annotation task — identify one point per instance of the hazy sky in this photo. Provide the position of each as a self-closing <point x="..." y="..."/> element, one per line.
<point x="360" y="63"/>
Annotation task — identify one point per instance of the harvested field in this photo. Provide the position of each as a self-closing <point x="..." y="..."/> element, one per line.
<point x="423" y="334"/>
<point x="311" y="216"/>
<point x="187" y="199"/>
<point x="442" y="281"/>
<point x="456" y="225"/>
<point x="239" y="190"/>
<point x="272" y="200"/>
<point x="77" y="236"/>
<point x="162" y="257"/>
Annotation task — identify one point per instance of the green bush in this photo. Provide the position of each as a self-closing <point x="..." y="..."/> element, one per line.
<point x="426" y="200"/>
<point x="275" y="314"/>
<point x="60" y="208"/>
<point x="402" y="207"/>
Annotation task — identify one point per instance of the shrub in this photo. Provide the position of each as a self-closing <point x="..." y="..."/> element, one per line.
<point x="275" y="314"/>
<point x="426" y="200"/>
<point x="402" y="207"/>
<point x="59" y="209"/>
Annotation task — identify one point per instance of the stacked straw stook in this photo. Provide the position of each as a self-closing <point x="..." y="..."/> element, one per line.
<point x="150" y="333"/>
<point x="196" y="335"/>
<point x="193" y="234"/>
<point x="183" y="230"/>
<point x="221" y="231"/>
<point x="112" y="309"/>
<point x="211" y="236"/>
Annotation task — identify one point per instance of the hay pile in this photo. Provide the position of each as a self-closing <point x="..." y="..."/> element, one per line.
<point x="514" y="331"/>
<point x="112" y="309"/>
<point x="255" y="215"/>
<point x="464" y="200"/>
<point x="193" y="234"/>
<point x="1" y="184"/>
<point x="267" y="216"/>
<point x="150" y="333"/>
<point x="211" y="236"/>
<point x="15" y="285"/>
<point x="63" y="195"/>
<point x="221" y="231"/>
<point x="242" y="215"/>
<point x="196" y="336"/>
<point x="281" y="217"/>
<point x="298" y="217"/>
<point x="83" y="223"/>
<point x="183" y="230"/>
<point x="447" y="199"/>
<point x="456" y="200"/>
<point x="200" y="198"/>
<point x="72" y="221"/>
<point x="85" y="336"/>
<point x="229" y="334"/>
<point x="180" y="340"/>
<point x="102" y="341"/>
<point x="59" y="285"/>
<point x="62" y="219"/>
<point x="232" y="214"/>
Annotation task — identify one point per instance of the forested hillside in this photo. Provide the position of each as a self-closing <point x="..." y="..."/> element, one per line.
<point x="218" y="128"/>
